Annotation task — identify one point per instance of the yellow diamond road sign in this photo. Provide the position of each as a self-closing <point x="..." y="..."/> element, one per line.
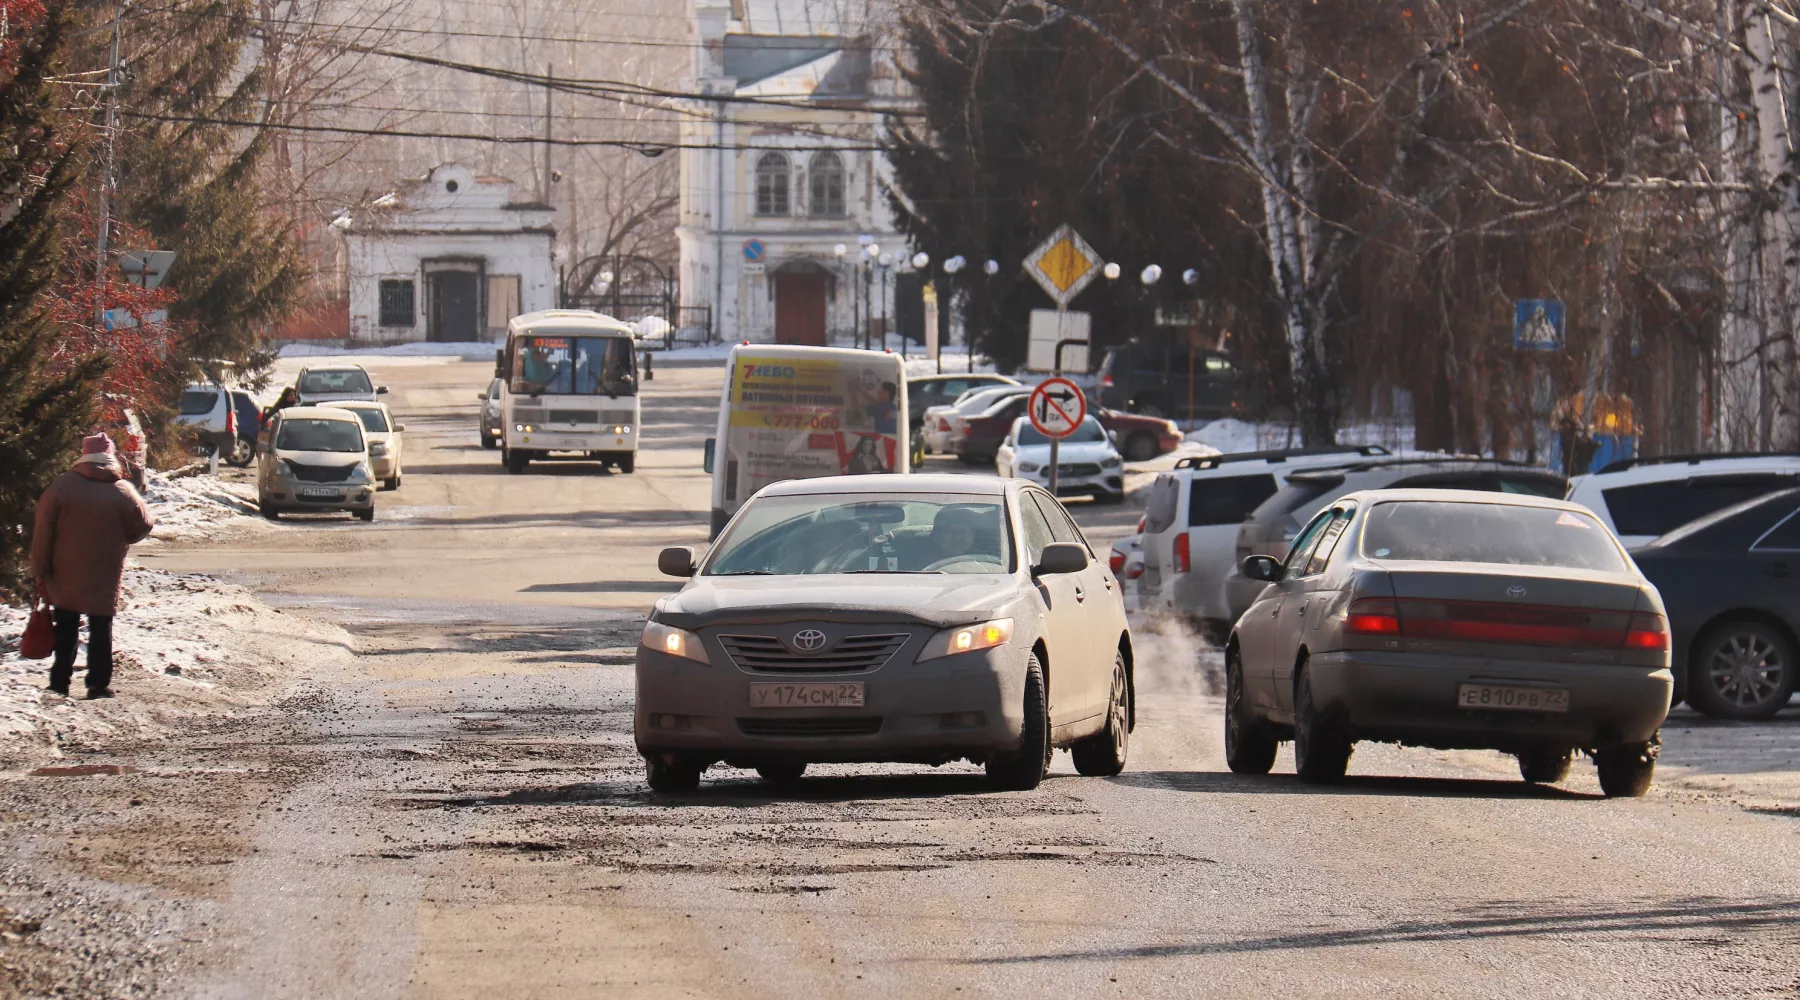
<point x="1063" y="264"/>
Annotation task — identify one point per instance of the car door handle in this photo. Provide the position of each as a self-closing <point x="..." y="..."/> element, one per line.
<point x="1107" y="582"/>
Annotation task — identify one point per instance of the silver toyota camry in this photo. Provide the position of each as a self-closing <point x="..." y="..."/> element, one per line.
<point x="887" y="618"/>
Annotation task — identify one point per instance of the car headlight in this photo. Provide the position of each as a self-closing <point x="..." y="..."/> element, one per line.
<point x="361" y="472"/>
<point x="1110" y="462"/>
<point x="968" y="639"/>
<point x="622" y="429"/>
<point x="1172" y="427"/>
<point x="675" y="642"/>
<point x="524" y="428"/>
<point x="1029" y="466"/>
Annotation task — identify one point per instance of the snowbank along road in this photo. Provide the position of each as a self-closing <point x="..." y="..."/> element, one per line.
<point x="457" y="810"/>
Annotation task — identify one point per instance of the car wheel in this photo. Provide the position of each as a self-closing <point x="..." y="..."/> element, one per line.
<point x="781" y="774"/>
<point x="1545" y="767"/>
<point x="1249" y="742"/>
<point x="1741" y="670"/>
<point x="1321" y="751"/>
<point x="671" y="777"/>
<point x="366" y="514"/>
<point x="972" y="459"/>
<point x="1625" y="772"/>
<point x="391" y="484"/>
<point x="269" y="512"/>
<point x="515" y="461"/>
<point x="1023" y="769"/>
<point x="1140" y="447"/>
<point x="625" y="463"/>
<point x="242" y="453"/>
<point x="489" y="441"/>
<point x="1103" y="754"/>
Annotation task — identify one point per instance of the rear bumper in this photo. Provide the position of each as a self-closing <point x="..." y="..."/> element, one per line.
<point x="1411" y="698"/>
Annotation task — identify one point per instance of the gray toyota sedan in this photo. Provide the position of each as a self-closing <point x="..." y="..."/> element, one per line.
<point x="909" y="618"/>
<point x="1455" y="620"/>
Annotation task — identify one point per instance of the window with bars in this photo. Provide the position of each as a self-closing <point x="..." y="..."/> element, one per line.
<point x="825" y="186"/>
<point x="397" y="302"/>
<point x="772" y="185"/>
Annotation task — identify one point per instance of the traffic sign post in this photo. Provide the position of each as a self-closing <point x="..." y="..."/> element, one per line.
<point x="1056" y="408"/>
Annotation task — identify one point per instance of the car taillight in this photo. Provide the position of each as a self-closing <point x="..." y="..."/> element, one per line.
<point x="1134" y="570"/>
<point x="1182" y="559"/>
<point x="943" y="425"/>
<point x="1373" y="616"/>
<point x="1141" y="523"/>
<point x="231" y="421"/>
<point x="1647" y="631"/>
<point x="1117" y="561"/>
<point x="1106" y="378"/>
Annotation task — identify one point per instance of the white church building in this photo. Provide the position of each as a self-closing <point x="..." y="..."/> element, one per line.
<point x="450" y="257"/>
<point x="781" y="201"/>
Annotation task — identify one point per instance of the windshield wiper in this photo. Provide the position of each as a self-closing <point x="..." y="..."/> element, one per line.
<point x="937" y="572"/>
<point x="744" y="572"/>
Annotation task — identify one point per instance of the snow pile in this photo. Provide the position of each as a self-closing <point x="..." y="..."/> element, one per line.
<point x="183" y="644"/>
<point x="477" y="350"/>
<point x="198" y="506"/>
<point x="1231" y="435"/>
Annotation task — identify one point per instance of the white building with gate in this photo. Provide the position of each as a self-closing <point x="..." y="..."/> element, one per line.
<point x="449" y="257"/>
<point x="770" y="191"/>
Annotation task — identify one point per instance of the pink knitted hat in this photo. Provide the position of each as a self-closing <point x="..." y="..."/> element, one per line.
<point x="97" y="444"/>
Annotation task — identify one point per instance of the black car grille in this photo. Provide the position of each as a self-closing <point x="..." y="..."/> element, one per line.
<point x="319" y="473"/>
<point x="867" y="725"/>
<point x="1078" y="469"/>
<point x="574" y="417"/>
<point x="851" y="653"/>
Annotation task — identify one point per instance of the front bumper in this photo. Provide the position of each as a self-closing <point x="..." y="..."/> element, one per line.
<point x="286" y="499"/>
<point x="1110" y="482"/>
<point x="543" y="441"/>
<point x="920" y="712"/>
<point x="1411" y="698"/>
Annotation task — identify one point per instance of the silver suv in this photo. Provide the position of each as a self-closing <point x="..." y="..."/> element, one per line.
<point x="334" y="384"/>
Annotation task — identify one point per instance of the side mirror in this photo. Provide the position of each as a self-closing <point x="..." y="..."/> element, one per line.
<point x="381" y="390"/>
<point x="1061" y="557"/>
<point x="399" y="427"/>
<point x="1264" y="568"/>
<point x="675" y="562"/>
<point x="712" y="445"/>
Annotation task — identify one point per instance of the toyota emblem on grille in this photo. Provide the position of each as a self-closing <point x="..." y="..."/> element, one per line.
<point x="809" y="640"/>
<point x="1515" y="591"/>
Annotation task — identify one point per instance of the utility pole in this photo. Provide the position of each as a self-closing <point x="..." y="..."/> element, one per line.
<point x="107" y="172"/>
<point x="549" y="85"/>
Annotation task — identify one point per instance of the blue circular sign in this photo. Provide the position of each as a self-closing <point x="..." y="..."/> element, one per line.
<point x="753" y="250"/>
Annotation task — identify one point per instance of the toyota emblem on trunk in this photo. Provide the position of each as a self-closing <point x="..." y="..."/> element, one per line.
<point x="809" y="640"/>
<point x="1515" y="591"/>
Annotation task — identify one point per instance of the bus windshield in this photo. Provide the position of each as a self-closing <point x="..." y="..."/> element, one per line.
<point x="573" y="366"/>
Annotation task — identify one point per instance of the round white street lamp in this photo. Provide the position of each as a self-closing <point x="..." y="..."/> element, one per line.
<point x="1112" y="271"/>
<point x="1151" y="275"/>
<point x="954" y="264"/>
<point x="1190" y="277"/>
<point x="840" y="250"/>
<point x="921" y="260"/>
<point x="992" y="267"/>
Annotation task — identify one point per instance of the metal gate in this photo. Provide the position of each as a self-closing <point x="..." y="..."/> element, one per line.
<point x="628" y="288"/>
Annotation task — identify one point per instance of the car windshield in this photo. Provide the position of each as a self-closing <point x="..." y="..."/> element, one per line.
<point x="374" y="421"/>
<point x="1088" y="433"/>
<point x="195" y="402"/>
<point x="579" y="366"/>
<point x="346" y="380"/>
<point x="315" y="434"/>
<point x="1443" y="531"/>
<point x="866" y="533"/>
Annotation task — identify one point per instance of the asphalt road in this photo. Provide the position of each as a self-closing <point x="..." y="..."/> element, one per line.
<point x="461" y="812"/>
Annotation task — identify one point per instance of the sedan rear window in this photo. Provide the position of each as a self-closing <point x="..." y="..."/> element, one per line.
<point x="1441" y="531"/>
<point x="869" y="533"/>
<point x="195" y="402"/>
<point x="373" y="420"/>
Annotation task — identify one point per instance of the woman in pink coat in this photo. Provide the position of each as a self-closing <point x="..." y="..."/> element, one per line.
<point x="86" y="521"/>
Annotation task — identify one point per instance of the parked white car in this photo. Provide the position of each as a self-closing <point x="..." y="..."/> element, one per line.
<point x="1641" y="499"/>
<point x="940" y="423"/>
<point x="1089" y="463"/>
<point x="383" y="437"/>
<point x="1192" y="518"/>
<point x="205" y="410"/>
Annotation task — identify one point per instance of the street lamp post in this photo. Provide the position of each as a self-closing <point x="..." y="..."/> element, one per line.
<point x="883" y="262"/>
<point x="840" y="252"/>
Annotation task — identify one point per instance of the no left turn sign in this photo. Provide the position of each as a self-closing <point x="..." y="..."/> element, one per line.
<point x="1056" y="408"/>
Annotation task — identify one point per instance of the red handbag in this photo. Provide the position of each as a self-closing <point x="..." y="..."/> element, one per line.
<point x="39" y="640"/>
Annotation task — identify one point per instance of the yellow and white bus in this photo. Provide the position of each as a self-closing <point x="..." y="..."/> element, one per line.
<point x="803" y="412"/>
<point x="568" y="390"/>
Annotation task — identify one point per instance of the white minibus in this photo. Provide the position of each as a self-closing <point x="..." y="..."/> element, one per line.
<point x="568" y="390"/>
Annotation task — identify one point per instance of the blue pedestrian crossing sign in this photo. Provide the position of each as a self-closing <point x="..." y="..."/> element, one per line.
<point x="1537" y="325"/>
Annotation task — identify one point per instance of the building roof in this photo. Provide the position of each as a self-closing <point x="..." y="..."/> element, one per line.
<point x="802" y="17"/>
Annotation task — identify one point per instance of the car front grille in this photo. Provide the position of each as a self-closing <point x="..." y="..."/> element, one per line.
<point x="319" y="473"/>
<point x="1078" y="469"/>
<point x="866" y="725"/>
<point x="574" y="417"/>
<point x="851" y="653"/>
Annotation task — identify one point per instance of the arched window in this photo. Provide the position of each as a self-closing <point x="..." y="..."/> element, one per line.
<point x="825" y="188"/>
<point x="772" y="184"/>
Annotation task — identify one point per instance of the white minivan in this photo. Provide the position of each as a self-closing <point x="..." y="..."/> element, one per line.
<point x="1192" y="517"/>
<point x="1641" y="499"/>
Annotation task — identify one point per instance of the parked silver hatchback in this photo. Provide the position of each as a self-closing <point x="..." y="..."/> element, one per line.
<point x="887" y="618"/>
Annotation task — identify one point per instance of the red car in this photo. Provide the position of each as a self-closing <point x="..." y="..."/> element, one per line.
<point x="978" y="436"/>
<point x="1140" y="438"/>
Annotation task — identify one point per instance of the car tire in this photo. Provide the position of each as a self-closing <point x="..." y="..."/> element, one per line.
<point x="1250" y="743"/>
<point x="242" y="454"/>
<point x="270" y="512"/>
<point x="488" y="441"/>
<point x="391" y="484"/>
<point x="1626" y="772"/>
<point x="1023" y="769"/>
<point x="1741" y="670"/>
<point x="1321" y="751"/>
<point x="671" y="777"/>
<point x="1140" y="447"/>
<point x="366" y="515"/>
<point x="781" y="774"/>
<point x="972" y="459"/>
<point x="626" y="463"/>
<point x="514" y="460"/>
<point x="1545" y="767"/>
<point x="1103" y="754"/>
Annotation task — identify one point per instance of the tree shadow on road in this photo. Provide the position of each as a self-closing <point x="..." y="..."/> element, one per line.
<point x="1224" y="782"/>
